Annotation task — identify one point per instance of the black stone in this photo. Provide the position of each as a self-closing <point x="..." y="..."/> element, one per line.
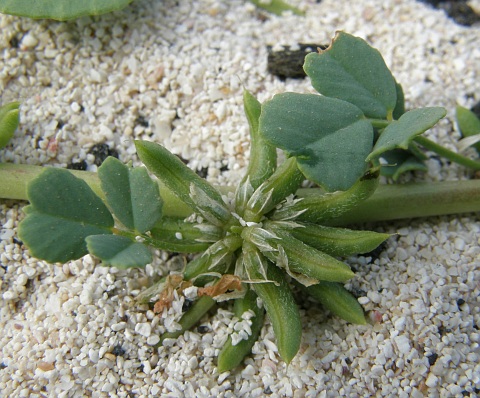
<point x="77" y="165"/>
<point x="432" y="358"/>
<point x="289" y="63"/>
<point x="118" y="351"/>
<point x="142" y="121"/>
<point x="459" y="11"/>
<point x="203" y="329"/>
<point x="101" y="152"/>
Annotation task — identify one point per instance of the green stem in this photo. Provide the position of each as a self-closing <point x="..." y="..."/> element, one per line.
<point x="425" y="199"/>
<point x="14" y="179"/>
<point x="379" y="123"/>
<point x="389" y="202"/>
<point x="446" y="153"/>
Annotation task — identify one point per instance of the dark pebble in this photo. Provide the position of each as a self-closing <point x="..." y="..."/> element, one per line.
<point x="432" y="358"/>
<point x="289" y="63"/>
<point x="101" y="152"/>
<point x="118" y="351"/>
<point x="459" y="11"/>
<point x="77" y="165"/>
<point x="203" y="329"/>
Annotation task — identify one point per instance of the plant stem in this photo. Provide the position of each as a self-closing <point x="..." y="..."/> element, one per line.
<point x="389" y="202"/>
<point x="14" y="179"/>
<point x="424" y="199"/>
<point x="446" y="153"/>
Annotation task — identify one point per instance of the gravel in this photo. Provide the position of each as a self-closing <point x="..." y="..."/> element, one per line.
<point x="173" y="72"/>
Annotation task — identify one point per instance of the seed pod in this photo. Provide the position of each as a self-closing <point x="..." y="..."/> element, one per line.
<point x="183" y="182"/>
<point x="230" y="355"/>
<point x="338" y="241"/>
<point x="306" y="260"/>
<point x="285" y="181"/>
<point x="215" y="259"/>
<point x="190" y="318"/>
<point x="318" y="208"/>
<point x="279" y="304"/>
<point x="339" y="301"/>
<point x="8" y="122"/>
<point x="263" y="156"/>
<point x="176" y="235"/>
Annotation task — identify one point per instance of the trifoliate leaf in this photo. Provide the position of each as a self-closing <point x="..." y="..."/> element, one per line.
<point x="330" y="138"/>
<point x="63" y="212"/>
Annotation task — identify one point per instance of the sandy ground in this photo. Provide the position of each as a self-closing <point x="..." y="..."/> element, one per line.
<point x="173" y="72"/>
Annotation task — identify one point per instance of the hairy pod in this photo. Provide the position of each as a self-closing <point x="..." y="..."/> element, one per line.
<point x="338" y="241"/>
<point x="230" y="355"/>
<point x="338" y="300"/>
<point x="279" y="304"/>
<point x="317" y="209"/>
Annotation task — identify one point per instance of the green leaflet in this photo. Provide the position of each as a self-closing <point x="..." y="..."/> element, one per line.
<point x="118" y="251"/>
<point x="277" y="7"/>
<point x="353" y="71"/>
<point x="330" y="138"/>
<point x="8" y="122"/>
<point x="131" y="194"/>
<point x="468" y="124"/>
<point x="60" y="10"/>
<point x="400" y="161"/>
<point x="63" y="212"/>
<point x="401" y="132"/>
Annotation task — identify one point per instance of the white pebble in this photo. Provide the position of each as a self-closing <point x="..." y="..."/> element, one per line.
<point x="145" y="329"/>
<point x="432" y="380"/>
<point x="29" y="40"/>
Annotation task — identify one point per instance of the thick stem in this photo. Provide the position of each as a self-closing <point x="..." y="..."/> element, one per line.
<point x="425" y="199"/>
<point x="14" y="179"/>
<point x="389" y="202"/>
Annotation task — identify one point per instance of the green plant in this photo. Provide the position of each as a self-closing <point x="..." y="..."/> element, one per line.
<point x="254" y="241"/>
<point x="63" y="10"/>
<point x="8" y="122"/>
<point x="469" y="126"/>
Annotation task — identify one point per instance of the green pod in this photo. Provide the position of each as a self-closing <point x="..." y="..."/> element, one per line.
<point x="263" y="156"/>
<point x="338" y="300"/>
<point x="468" y="124"/>
<point x="318" y="208"/>
<point x="305" y="260"/>
<point x="174" y="234"/>
<point x="8" y="122"/>
<point x="285" y="181"/>
<point x="231" y="356"/>
<point x="183" y="182"/>
<point x="278" y="301"/>
<point x="190" y="317"/>
<point x="215" y="259"/>
<point x="338" y="241"/>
